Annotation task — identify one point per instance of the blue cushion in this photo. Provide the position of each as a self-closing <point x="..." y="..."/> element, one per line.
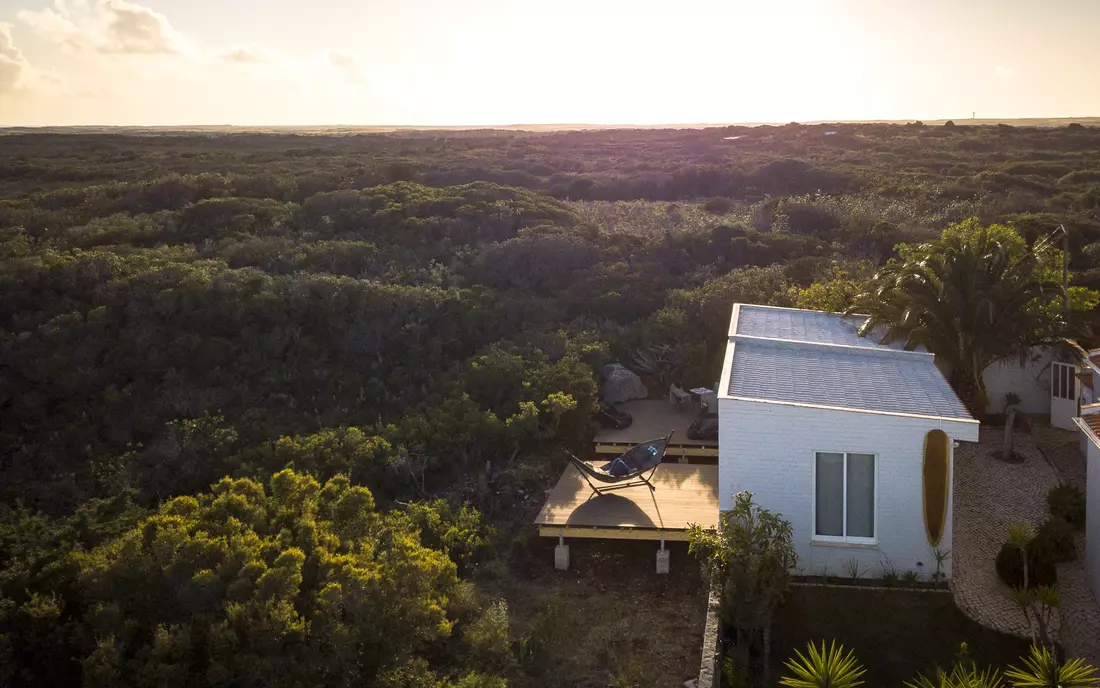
<point x="618" y="468"/>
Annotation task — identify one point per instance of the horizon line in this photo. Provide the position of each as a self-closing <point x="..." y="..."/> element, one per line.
<point x="559" y="125"/>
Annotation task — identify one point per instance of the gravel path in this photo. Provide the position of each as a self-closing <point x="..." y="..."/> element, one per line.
<point x="990" y="496"/>
<point x="1079" y="610"/>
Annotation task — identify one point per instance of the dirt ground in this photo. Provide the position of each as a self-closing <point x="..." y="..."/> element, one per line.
<point x="609" y="620"/>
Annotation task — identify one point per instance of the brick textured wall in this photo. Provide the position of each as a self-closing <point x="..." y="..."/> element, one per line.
<point x="768" y="449"/>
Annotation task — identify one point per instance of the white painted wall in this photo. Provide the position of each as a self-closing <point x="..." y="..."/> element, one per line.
<point x="1092" y="517"/>
<point x="1031" y="382"/>
<point x="768" y="449"/>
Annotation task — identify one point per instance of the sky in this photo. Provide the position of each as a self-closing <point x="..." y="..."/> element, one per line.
<point x="496" y="62"/>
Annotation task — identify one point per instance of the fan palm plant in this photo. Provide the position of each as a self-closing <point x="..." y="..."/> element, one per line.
<point x="975" y="296"/>
<point x="828" y="667"/>
<point x="1042" y="669"/>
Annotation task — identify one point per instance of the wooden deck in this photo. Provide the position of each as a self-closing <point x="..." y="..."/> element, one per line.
<point x="654" y="418"/>
<point x="685" y="494"/>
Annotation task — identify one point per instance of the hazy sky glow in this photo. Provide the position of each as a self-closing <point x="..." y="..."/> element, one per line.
<point x="438" y="62"/>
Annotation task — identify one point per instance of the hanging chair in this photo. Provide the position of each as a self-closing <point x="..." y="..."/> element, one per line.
<point x="628" y="469"/>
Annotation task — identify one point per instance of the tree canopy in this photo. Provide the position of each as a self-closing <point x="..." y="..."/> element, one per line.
<point x="975" y="296"/>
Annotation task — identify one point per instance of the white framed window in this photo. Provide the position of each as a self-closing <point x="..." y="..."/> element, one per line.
<point x="845" y="500"/>
<point x="1063" y="380"/>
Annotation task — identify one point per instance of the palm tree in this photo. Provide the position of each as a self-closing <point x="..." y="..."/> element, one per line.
<point x="975" y="296"/>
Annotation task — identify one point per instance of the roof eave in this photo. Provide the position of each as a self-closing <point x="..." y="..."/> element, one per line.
<point x="849" y="409"/>
<point x="1080" y="423"/>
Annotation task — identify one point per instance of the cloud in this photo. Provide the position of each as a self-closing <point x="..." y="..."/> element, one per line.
<point x="349" y="67"/>
<point x="250" y="53"/>
<point x="108" y="26"/>
<point x="16" y="74"/>
<point x="55" y="26"/>
<point x="1005" y="72"/>
<point x="133" y="28"/>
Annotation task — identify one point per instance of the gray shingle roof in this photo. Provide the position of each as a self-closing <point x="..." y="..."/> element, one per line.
<point x="805" y="326"/>
<point x="814" y="358"/>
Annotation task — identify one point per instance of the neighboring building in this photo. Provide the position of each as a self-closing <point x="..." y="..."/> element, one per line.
<point x="1088" y="376"/>
<point x="850" y="440"/>
<point x="1046" y="383"/>
<point x="1089" y="422"/>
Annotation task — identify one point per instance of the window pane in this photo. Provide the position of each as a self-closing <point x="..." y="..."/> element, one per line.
<point x="829" y="493"/>
<point x="861" y="495"/>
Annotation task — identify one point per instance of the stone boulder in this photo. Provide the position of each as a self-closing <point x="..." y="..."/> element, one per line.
<point x="621" y="384"/>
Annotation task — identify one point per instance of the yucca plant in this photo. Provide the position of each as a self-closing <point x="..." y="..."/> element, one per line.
<point x="830" y="667"/>
<point x="962" y="676"/>
<point x="1042" y="669"/>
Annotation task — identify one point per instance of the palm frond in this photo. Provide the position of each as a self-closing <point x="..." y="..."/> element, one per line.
<point x="1042" y="669"/>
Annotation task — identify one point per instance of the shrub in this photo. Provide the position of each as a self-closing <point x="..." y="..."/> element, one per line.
<point x="1068" y="503"/>
<point x="487" y="638"/>
<point x="1054" y="541"/>
<point x="718" y="205"/>
<point x="1010" y="568"/>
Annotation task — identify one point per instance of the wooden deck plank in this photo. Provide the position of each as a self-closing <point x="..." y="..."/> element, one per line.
<point x="652" y="419"/>
<point x="685" y="494"/>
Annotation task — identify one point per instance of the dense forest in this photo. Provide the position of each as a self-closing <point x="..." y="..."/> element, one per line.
<point x="271" y="405"/>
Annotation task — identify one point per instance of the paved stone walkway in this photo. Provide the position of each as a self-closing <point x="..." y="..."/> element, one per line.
<point x="1079" y="610"/>
<point x="990" y="496"/>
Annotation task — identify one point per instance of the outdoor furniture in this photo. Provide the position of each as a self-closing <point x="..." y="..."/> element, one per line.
<point x="678" y="397"/>
<point x="626" y="470"/>
<point x="707" y="398"/>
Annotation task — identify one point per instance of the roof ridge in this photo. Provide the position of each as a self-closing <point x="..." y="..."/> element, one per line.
<point x="836" y="314"/>
<point x="873" y="349"/>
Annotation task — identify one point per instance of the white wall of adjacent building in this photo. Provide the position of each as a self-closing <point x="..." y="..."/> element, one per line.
<point x="1031" y="382"/>
<point x="1092" y="517"/>
<point x="770" y="449"/>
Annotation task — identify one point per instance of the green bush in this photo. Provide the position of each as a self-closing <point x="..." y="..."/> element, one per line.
<point x="718" y="205"/>
<point x="1054" y="541"/>
<point x="1068" y="503"/>
<point x="1010" y="567"/>
<point x="487" y="638"/>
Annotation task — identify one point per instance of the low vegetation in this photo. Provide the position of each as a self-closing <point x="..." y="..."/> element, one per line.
<point x="194" y="327"/>
<point x="1067" y="503"/>
<point x="835" y="667"/>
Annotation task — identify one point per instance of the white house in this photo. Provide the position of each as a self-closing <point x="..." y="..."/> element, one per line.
<point x="850" y="440"/>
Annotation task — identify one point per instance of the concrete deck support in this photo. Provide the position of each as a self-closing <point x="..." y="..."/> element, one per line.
<point x="663" y="558"/>
<point x="561" y="555"/>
